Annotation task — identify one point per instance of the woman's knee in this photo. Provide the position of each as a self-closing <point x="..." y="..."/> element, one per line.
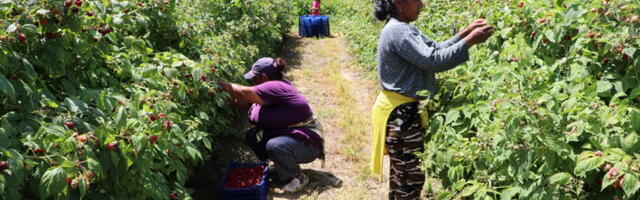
<point x="277" y="145"/>
<point x="273" y="145"/>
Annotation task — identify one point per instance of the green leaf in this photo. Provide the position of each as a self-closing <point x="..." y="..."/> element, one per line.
<point x="207" y="143"/>
<point x="573" y="13"/>
<point x="511" y="192"/>
<point x="635" y="93"/>
<point x="558" y="3"/>
<point x="6" y="87"/>
<point x="176" y="64"/>
<point x="604" y="86"/>
<point x="50" y="103"/>
<point x="29" y="29"/>
<point x="606" y="181"/>
<point x="94" y="166"/>
<point x="76" y="105"/>
<point x="194" y="153"/>
<point x="83" y="187"/>
<point x="203" y="116"/>
<point x="629" y="142"/>
<point x="630" y="184"/>
<point x="469" y="190"/>
<point x="2" y="184"/>
<point x="52" y="182"/>
<point x="561" y="178"/>
<point x="629" y="51"/>
<point x="550" y="35"/>
<point x="452" y="116"/>
<point x="583" y="166"/>
<point x="635" y="120"/>
<point x="121" y="118"/>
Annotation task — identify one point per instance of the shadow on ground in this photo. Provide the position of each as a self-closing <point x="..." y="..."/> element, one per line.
<point x="319" y="181"/>
<point x="289" y="52"/>
<point x="204" y="178"/>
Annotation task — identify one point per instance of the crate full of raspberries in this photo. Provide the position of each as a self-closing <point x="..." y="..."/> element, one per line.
<point x="244" y="181"/>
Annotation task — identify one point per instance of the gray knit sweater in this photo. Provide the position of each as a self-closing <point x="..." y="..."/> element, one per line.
<point x="408" y="60"/>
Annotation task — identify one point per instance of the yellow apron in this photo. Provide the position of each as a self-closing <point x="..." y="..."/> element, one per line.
<point x="382" y="108"/>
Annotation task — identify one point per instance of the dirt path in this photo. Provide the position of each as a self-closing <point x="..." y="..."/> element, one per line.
<point x="341" y="94"/>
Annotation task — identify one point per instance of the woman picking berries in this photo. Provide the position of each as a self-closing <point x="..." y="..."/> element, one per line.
<point x="285" y="131"/>
<point x="407" y="63"/>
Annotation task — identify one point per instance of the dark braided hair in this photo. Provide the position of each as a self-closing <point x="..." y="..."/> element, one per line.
<point x="384" y="9"/>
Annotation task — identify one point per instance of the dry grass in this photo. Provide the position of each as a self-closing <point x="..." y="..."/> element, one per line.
<point x="341" y="96"/>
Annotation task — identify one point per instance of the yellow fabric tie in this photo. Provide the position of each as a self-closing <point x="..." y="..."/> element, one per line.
<point x="382" y="108"/>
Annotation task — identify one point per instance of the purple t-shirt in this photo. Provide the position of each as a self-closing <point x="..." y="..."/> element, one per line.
<point x="283" y="106"/>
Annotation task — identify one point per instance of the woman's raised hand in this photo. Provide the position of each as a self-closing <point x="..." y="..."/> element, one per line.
<point x="479" y="35"/>
<point x="478" y="23"/>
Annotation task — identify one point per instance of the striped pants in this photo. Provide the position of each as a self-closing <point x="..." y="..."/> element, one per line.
<point x="404" y="138"/>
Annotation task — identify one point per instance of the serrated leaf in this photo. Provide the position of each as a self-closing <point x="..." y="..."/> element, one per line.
<point x="635" y="119"/>
<point x="583" y="166"/>
<point x="203" y="116"/>
<point x="550" y="35"/>
<point x="194" y="153"/>
<point x="6" y="87"/>
<point x="509" y="193"/>
<point x="573" y="13"/>
<point x="635" y="92"/>
<point x="50" y="103"/>
<point x="469" y="190"/>
<point x="629" y="142"/>
<point x="94" y="166"/>
<point x="120" y="119"/>
<point x="176" y="64"/>
<point x="83" y="187"/>
<point x="2" y="184"/>
<point x="452" y="116"/>
<point x="630" y="184"/>
<point x="76" y="105"/>
<point x="28" y="29"/>
<point x="629" y="51"/>
<point x="189" y="63"/>
<point x="561" y="178"/>
<point x="603" y="86"/>
<point x="52" y="182"/>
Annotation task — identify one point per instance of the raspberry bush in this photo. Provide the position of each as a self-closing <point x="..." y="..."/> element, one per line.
<point x="114" y="99"/>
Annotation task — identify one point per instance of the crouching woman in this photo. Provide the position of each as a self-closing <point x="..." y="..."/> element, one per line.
<point x="285" y="131"/>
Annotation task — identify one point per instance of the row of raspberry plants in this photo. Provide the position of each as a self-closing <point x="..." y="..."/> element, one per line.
<point x="114" y="99"/>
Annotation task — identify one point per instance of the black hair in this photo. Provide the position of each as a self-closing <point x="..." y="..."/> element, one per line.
<point x="384" y="9"/>
<point x="278" y="75"/>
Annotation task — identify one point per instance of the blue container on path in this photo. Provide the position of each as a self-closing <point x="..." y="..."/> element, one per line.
<point x="314" y="26"/>
<point x="256" y="192"/>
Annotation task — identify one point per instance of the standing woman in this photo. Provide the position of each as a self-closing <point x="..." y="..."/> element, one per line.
<point x="407" y="63"/>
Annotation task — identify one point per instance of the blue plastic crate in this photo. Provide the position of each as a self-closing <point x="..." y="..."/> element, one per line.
<point x="257" y="192"/>
<point x="314" y="26"/>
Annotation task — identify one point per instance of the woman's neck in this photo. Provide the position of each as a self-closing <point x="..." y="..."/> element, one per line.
<point x="401" y="19"/>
